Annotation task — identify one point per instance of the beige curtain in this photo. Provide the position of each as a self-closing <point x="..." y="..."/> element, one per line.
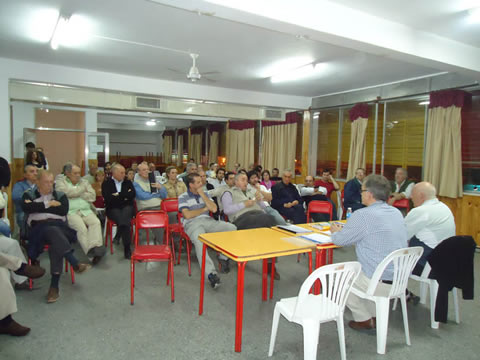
<point x="279" y="146"/>
<point x="240" y="145"/>
<point x="443" y="157"/>
<point x="180" y="150"/>
<point x="196" y="148"/>
<point x="358" y="142"/>
<point x="167" y="149"/>
<point x="213" y="150"/>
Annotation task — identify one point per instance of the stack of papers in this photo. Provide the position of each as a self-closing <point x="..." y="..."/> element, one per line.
<point x="294" y="229"/>
<point x="318" y="238"/>
<point x="320" y="226"/>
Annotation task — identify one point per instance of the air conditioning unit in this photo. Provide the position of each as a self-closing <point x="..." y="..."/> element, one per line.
<point x="148" y="103"/>
<point x="274" y="114"/>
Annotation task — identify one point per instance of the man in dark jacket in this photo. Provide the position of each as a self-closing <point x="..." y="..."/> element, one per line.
<point x="46" y="211"/>
<point x="352" y="194"/>
<point x="286" y="199"/>
<point x="119" y="195"/>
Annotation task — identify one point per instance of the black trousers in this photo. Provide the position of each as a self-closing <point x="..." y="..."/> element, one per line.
<point x="122" y="217"/>
<point x="58" y="246"/>
<point x="295" y="213"/>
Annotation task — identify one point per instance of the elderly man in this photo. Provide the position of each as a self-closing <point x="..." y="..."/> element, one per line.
<point x="46" y="210"/>
<point x="429" y="223"/>
<point x="218" y="192"/>
<point x="212" y="170"/>
<point x="401" y="187"/>
<point x="287" y="201"/>
<point x="195" y="206"/>
<point x="80" y="216"/>
<point x="149" y="195"/>
<point x="253" y="183"/>
<point x="92" y="170"/>
<point x="191" y="169"/>
<point x="29" y="182"/>
<point x="8" y="301"/>
<point x="119" y="195"/>
<point x="352" y="191"/>
<point x="218" y="179"/>
<point x="376" y="231"/>
<point x="173" y="186"/>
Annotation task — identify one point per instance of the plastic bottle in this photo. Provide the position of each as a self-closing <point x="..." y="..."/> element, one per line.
<point x="349" y="213"/>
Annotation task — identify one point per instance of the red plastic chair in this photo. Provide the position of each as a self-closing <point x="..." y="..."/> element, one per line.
<point x="151" y="219"/>
<point x="402" y="204"/>
<point x="184" y="236"/>
<point x="109" y="224"/>
<point x="319" y="207"/>
<point x="72" y="273"/>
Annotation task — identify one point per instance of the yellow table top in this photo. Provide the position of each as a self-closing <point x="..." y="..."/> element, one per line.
<point x="314" y="230"/>
<point x="255" y="244"/>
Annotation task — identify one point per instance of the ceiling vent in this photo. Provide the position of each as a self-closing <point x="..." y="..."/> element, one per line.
<point x="147" y="103"/>
<point x="274" y="114"/>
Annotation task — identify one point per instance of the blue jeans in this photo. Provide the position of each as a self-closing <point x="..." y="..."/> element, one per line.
<point x="5" y="228"/>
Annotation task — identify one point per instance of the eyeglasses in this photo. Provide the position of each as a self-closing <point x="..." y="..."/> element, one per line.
<point x="363" y="190"/>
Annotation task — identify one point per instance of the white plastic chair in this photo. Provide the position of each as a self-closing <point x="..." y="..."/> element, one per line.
<point x="339" y="205"/>
<point x="311" y="310"/>
<point x="403" y="260"/>
<point x="433" y="285"/>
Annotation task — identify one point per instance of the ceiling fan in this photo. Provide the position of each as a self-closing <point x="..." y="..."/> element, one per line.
<point x="194" y="74"/>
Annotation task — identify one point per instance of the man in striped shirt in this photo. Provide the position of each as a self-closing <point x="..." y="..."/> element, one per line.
<point x="195" y="206"/>
<point x="376" y="231"/>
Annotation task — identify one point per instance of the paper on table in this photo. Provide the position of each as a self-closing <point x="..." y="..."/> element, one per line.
<point x="327" y="232"/>
<point x="321" y="226"/>
<point x="294" y="229"/>
<point x="319" y="238"/>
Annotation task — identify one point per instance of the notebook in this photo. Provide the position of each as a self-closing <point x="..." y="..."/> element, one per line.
<point x="318" y="238"/>
<point x="294" y="229"/>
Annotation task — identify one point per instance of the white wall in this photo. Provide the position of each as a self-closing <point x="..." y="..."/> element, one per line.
<point x="131" y="142"/>
<point x="26" y="70"/>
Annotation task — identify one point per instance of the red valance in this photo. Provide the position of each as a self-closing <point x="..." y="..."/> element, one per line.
<point x="358" y="111"/>
<point x="241" y="125"/>
<point x="197" y="130"/>
<point x="290" y="118"/>
<point x="168" y="133"/>
<point x="182" y="132"/>
<point x="447" y="98"/>
<point x="215" y="128"/>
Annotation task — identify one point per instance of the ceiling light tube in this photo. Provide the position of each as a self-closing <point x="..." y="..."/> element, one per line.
<point x="298" y="73"/>
<point x="59" y="32"/>
<point x="151" y="123"/>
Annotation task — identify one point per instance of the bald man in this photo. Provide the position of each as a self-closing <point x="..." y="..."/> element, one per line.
<point x="119" y="195"/>
<point x="429" y="223"/>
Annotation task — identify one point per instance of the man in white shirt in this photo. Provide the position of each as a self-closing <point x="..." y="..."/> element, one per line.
<point x="401" y="187"/>
<point x="309" y="192"/>
<point x="218" y="179"/>
<point x="429" y="223"/>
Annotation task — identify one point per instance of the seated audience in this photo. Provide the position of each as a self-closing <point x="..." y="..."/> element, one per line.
<point x="352" y="197"/>
<point x="236" y="167"/>
<point x="97" y="186"/>
<point x="29" y="182"/>
<point x="42" y="158"/>
<point x="130" y="174"/>
<point x="8" y="301"/>
<point x="401" y="186"/>
<point x="266" y="196"/>
<point x="80" y="216"/>
<point x="134" y="167"/>
<point x="149" y="195"/>
<point x="310" y="192"/>
<point x="46" y="210"/>
<point x="328" y="182"/>
<point x="287" y="201"/>
<point x="119" y="195"/>
<point x="266" y="180"/>
<point x="107" y="169"/>
<point x="376" y="231"/>
<point x="218" y="192"/>
<point x="153" y="169"/>
<point x="92" y="170"/>
<point x="191" y="169"/>
<point x="173" y="186"/>
<point x="212" y="170"/>
<point x="275" y="173"/>
<point x="12" y="247"/>
<point x="218" y="179"/>
<point x="32" y="158"/>
<point x="195" y="206"/>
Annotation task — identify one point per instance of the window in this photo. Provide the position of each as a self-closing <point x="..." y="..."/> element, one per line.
<point x="470" y="143"/>
<point x="404" y="138"/>
<point x="327" y="143"/>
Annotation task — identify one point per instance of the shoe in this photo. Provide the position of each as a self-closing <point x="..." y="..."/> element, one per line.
<point x="53" y="295"/>
<point x="414" y="299"/>
<point x="224" y="265"/>
<point x="127" y="253"/>
<point x="22" y="286"/>
<point x="33" y="271"/>
<point x="80" y="268"/>
<point x="276" y="276"/>
<point x="362" y="325"/>
<point x="96" y="260"/>
<point x="14" y="329"/>
<point x="214" y="280"/>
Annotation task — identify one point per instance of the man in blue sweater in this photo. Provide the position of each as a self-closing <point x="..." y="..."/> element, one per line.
<point x="29" y="182"/>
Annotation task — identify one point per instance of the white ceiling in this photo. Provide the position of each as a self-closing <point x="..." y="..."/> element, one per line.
<point x="241" y="50"/>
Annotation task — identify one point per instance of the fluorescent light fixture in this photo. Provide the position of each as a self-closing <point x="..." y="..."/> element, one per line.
<point x="284" y="65"/>
<point x="424" y="103"/>
<point x="59" y="32"/>
<point x="299" y="73"/>
<point x="151" y="123"/>
<point x="40" y="24"/>
<point x="474" y="15"/>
